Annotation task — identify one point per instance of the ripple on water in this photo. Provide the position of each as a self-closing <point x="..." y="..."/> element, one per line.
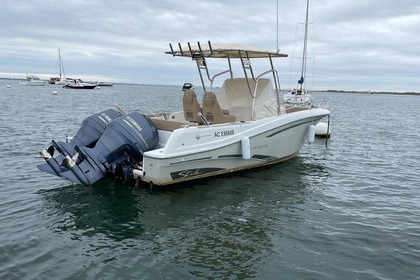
<point x="346" y="210"/>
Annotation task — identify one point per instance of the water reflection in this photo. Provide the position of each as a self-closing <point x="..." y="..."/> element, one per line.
<point x="108" y="209"/>
<point x="222" y="227"/>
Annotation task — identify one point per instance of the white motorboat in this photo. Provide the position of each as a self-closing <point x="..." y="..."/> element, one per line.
<point x="79" y="84"/>
<point x="105" y="84"/>
<point x="300" y="96"/>
<point x="242" y="126"/>
<point x="32" y="80"/>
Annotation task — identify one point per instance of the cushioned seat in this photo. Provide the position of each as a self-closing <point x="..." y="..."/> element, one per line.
<point x="191" y="107"/>
<point x="212" y="111"/>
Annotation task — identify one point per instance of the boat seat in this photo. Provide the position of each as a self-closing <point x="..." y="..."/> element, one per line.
<point x="169" y="125"/>
<point x="212" y="111"/>
<point x="191" y="107"/>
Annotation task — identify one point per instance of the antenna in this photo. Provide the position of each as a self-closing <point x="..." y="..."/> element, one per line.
<point x="278" y="26"/>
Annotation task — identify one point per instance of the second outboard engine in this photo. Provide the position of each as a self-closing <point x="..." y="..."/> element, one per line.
<point x="127" y="137"/>
<point x="91" y="130"/>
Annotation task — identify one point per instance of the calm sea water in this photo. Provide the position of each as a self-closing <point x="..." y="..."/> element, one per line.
<point x="346" y="210"/>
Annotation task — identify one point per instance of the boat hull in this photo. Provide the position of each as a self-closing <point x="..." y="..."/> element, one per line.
<point x="36" y="83"/>
<point x="270" y="141"/>
<point x="64" y="82"/>
<point x="80" y="86"/>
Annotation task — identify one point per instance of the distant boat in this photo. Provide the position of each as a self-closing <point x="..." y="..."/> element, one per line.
<point x="187" y="86"/>
<point x="105" y="84"/>
<point x="65" y="81"/>
<point x="79" y="84"/>
<point x="300" y="95"/>
<point x="32" y="80"/>
<point x="53" y="80"/>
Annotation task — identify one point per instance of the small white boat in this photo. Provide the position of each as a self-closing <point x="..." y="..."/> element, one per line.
<point x="79" y="84"/>
<point x="105" y="84"/>
<point x="32" y="80"/>
<point x="242" y="126"/>
<point x="298" y="97"/>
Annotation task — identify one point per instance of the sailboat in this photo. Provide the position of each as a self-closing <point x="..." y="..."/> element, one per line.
<point x="300" y="95"/>
<point x="62" y="80"/>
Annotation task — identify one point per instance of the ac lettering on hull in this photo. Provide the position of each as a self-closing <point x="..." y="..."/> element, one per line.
<point x="224" y="133"/>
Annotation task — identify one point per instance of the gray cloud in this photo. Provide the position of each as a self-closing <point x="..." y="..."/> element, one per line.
<point x="354" y="45"/>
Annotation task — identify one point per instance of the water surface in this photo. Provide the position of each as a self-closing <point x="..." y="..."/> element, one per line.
<point x="346" y="210"/>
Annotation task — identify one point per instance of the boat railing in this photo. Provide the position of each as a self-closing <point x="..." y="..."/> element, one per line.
<point x="217" y="75"/>
<point x="323" y="103"/>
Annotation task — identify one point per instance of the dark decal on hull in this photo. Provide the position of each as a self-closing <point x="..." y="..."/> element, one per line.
<point x="231" y="156"/>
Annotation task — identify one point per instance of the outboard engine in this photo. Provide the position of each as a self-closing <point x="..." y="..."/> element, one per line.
<point x="125" y="139"/>
<point x="91" y="130"/>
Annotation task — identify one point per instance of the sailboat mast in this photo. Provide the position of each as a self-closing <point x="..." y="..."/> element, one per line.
<point x="305" y="47"/>
<point x="60" y="62"/>
<point x="278" y="26"/>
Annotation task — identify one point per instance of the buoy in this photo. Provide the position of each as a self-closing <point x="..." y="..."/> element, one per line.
<point x="246" y="148"/>
<point x="322" y="130"/>
<point x="8" y="86"/>
<point x="311" y="133"/>
<point x="54" y="92"/>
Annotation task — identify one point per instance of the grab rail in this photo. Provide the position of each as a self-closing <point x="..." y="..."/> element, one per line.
<point x="219" y="74"/>
<point x="324" y="103"/>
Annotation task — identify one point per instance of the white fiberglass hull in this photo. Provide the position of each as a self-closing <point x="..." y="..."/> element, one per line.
<point x="203" y="151"/>
<point x="36" y="83"/>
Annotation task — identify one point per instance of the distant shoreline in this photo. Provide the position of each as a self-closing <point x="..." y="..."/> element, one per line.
<point x="373" y="92"/>
<point x="329" y="90"/>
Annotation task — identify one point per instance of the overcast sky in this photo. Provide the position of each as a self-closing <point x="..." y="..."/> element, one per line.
<point x="353" y="45"/>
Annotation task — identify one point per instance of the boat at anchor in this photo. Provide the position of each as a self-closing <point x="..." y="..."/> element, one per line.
<point x="300" y="96"/>
<point x="32" y="80"/>
<point x="79" y="84"/>
<point x="242" y="126"/>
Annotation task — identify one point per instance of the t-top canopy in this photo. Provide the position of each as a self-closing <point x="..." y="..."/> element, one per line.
<point x="222" y="51"/>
